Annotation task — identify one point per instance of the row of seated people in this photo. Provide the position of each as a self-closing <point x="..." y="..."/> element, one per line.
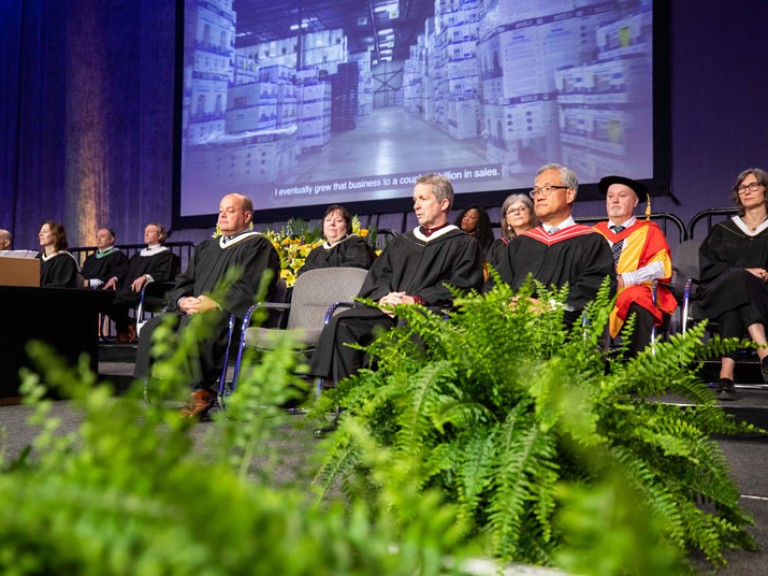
<point x="108" y="268"/>
<point x="416" y="266"/>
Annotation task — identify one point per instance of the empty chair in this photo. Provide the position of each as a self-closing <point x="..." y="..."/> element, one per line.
<point x="685" y="281"/>
<point x="317" y="294"/>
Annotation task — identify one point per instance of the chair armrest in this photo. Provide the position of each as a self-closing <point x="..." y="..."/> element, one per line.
<point x="277" y="306"/>
<point x="332" y="309"/>
<point x="152" y="289"/>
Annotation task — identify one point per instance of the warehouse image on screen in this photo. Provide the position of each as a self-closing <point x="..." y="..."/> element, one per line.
<point x="339" y="101"/>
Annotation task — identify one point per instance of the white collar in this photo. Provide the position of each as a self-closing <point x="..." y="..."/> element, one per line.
<point x="236" y="239"/>
<point x="626" y="224"/>
<point x="59" y="253"/>
<point x="152" y="250"/>
<point x="567" y="223"/>
<point x="328" y="245"/>
<point x="744" y="227"/>
<point x="436" y="234"/>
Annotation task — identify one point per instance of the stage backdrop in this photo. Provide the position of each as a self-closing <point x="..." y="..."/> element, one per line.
<point x="87" y="115"/>
<point x="86" y="111"/>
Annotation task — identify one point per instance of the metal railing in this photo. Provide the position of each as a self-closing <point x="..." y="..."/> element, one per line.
<point x="183" y="250"/>
<point x="711" y="217"/>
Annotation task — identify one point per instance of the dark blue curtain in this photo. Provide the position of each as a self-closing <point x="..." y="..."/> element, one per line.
<point x="87" y="116"/>
<point x="86" y="112"/>
<point x="10" y="29"/>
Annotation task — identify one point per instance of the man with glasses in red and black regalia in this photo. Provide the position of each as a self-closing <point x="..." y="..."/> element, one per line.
<point x="559" y="251"/>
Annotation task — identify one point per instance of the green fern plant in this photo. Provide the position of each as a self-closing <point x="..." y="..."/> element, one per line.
<point x="520" y="422"/>
<point x="126" y="493"/>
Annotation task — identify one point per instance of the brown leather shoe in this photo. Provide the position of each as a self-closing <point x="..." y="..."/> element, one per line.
<point x="123" y="337"/>
<point x="198" y="404"/>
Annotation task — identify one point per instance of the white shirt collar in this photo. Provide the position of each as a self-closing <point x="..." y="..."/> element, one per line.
<point x="236" y="239"/>
<point x="626" y="224"/>
<point x="564" y="224"/>
<point x="420" y="235"/>
<point x="152" y="250"/>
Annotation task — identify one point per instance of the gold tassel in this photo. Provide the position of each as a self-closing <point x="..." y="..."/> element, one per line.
<point x="648" y="208"/>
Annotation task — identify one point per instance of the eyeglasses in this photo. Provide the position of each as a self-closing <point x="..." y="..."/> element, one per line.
<point x="753" y="187"/>
<point x="518" y="210"/>
<point x="546" y="190"/>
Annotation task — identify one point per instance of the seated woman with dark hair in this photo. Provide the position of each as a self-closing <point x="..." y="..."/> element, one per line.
<point x="474" y="221"/>
<point x="58" y="268"/>
<point x="517" y="217"/>
<point x="342" y="248"/>
<point x="734" y="272"/>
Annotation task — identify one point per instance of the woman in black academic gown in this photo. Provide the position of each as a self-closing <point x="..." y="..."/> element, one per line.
<point x="342" y="248"/>
<point x="58" y="268"/>
<point x="734" y="272"/>
<point x="517" y="216"/>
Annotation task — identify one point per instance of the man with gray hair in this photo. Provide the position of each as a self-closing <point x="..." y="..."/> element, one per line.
<point x="416" y="268"/>
<point x="559" y="251"/>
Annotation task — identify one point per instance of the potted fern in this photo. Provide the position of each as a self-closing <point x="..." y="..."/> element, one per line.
<point x="556" y="452"/>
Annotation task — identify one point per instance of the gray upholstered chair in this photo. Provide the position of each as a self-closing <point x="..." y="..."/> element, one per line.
<point x="317" y="295"/>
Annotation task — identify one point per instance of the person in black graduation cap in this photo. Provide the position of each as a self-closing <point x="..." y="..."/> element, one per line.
<point x="641" y="254"/>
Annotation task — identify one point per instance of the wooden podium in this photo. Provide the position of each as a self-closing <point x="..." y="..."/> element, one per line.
<point x="65" y="318"/>
<point x="19" y="272"/>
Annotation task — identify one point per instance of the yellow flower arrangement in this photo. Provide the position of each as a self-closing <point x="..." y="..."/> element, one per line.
<point x="293" y="251"/>
<point x="295" y="241"/>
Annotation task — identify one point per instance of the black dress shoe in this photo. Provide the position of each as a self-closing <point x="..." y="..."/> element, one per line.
<point x="726" y="390"/>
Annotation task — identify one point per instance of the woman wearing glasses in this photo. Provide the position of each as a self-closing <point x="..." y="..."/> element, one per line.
<point x="517" y="216"/>
<point x="734" y="272"/>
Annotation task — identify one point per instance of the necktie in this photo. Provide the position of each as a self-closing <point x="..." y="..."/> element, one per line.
<point x="616" y="248"/>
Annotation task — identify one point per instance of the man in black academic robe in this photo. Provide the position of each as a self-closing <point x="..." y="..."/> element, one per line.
<point x="415" y="268"/>
<point x="559" y="251"/>
<point x="155" y="263"/>
<point x="253" y="254"/>
<point x="106" y="263"/>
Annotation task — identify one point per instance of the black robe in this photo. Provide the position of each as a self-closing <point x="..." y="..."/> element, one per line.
<point x="162" y="266"/>
<point x="351" y="252"/>
<point x="58" y="271"/>
<point x="113" y="264"/>
<point x="723" y="258"/>
<point x="498" y="251"/>
<point x="254" y="255"/>
<point x="576" y="255"/>
<point x="409" y="264"/>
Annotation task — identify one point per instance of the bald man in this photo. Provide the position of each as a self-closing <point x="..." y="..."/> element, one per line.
<point x="236" y="247"/>
<point x="6" y="240"/>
